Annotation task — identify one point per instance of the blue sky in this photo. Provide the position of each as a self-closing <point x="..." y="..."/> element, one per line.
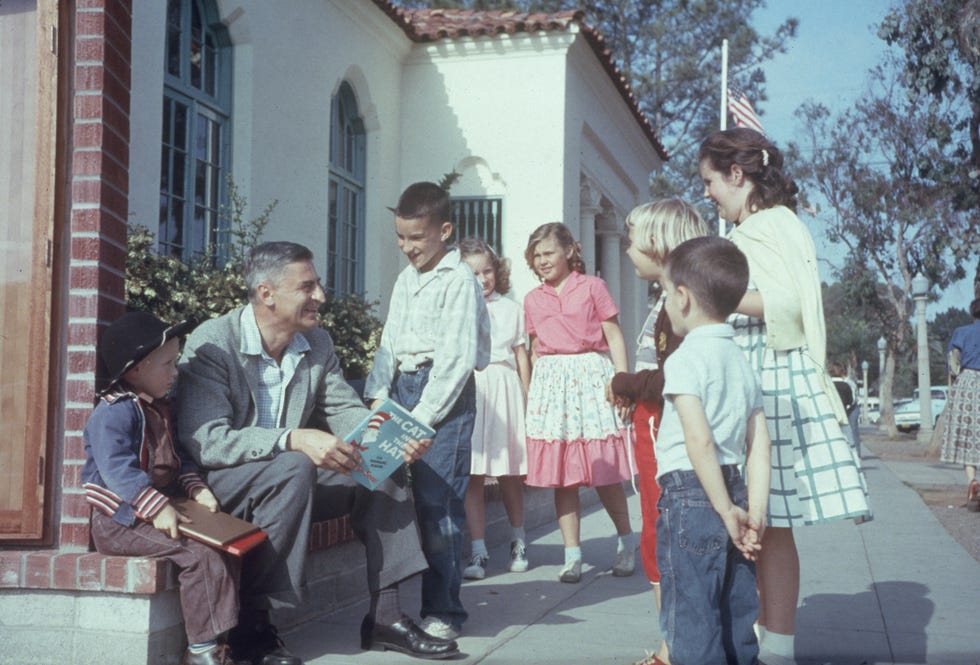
<point x="836" y="45"/>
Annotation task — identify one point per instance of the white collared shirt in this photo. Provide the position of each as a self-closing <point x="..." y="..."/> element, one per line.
<point x="437" y="316"/>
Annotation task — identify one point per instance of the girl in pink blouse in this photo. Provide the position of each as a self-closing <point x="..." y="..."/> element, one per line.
<point x="574" y="436"/>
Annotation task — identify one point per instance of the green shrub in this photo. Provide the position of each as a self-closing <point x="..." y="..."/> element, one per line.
<point x="175" y="291"/>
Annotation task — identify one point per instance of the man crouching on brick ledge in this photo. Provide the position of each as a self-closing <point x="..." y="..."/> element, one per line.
<point x="263" y="405"/>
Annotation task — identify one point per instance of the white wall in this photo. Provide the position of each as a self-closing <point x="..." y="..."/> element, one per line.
<point x="494" y="105"/>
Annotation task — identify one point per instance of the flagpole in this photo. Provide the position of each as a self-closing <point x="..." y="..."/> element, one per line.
<point x="724" y="109"/>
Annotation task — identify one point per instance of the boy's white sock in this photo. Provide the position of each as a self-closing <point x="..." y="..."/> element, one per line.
<point x="201" y="647"/>
<point x="779" y="644"/>
<point x="573" y="554"/>
<point x="760" y="632"/>
<point x="517" y="533"/>
<point x="626" y="543"/>
<point x="480" y="547"/>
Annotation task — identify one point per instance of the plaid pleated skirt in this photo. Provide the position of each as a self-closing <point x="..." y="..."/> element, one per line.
<point x="816" y="473"/>
<point x="961" y="439"/>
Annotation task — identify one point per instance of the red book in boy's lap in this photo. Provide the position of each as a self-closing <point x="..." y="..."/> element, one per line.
<point x="220" y="530"/>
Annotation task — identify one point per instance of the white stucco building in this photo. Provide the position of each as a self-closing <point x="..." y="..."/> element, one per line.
<point x="528" y="109"/>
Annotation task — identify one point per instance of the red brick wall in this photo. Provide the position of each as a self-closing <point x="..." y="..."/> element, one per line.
<point x="100" y="96"/>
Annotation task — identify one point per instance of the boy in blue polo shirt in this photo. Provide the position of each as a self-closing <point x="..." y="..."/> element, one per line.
<point x="710" y="527"/>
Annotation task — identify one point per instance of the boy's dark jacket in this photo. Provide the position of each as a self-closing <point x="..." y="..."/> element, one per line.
<point x="131" y="458"/>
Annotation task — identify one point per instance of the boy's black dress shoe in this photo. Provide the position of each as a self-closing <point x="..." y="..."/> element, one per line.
<point x="261" y="646"/>
<point x="406" y="637"/>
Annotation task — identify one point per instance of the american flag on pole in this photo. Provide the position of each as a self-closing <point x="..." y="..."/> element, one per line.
<point x="741" y="109"/>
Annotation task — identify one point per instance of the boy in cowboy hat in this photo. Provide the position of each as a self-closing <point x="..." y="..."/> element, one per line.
<point x="132" y="465"/>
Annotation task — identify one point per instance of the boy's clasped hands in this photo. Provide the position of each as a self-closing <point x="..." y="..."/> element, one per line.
<point x="745" y="530"/>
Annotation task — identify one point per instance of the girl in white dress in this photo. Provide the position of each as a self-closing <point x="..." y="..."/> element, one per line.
<point x="498" y="448"/>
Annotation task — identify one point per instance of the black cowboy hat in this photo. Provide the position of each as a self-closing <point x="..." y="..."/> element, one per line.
<point x="132" y="337"/>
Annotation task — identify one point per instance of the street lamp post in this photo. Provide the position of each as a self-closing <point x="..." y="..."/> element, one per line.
<point x="920" y="291"/>
<point x="864" y="387"/>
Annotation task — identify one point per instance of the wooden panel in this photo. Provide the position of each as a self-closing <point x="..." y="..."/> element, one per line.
<point x="28" y="125"/>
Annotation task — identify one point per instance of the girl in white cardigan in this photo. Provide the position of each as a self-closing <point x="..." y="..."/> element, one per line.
<point x="816" y="474"/>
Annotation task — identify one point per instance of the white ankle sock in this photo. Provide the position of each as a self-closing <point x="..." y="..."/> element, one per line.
<point x="517" y="533"/>
<point x="779" y="644"/>
<point x="479" y="547"/>
<point x="573" y="554"/>
<point x="201" y="647"/>
<point x="760" y="632"/>
<point x="626" y="542"/>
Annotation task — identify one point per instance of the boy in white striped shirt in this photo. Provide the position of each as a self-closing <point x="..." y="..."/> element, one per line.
<point x="437" y="333"/>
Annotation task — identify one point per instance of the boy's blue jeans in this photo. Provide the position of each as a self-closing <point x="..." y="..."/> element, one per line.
<point x="707" y="587"/>
<point x="439" y="482"/>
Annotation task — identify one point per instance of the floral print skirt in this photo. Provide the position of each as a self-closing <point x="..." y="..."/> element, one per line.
<point x="574" y="437"/>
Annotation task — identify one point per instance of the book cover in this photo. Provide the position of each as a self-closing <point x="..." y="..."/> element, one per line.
<point x="221" y="530"/>
<point x="380" y="439"/>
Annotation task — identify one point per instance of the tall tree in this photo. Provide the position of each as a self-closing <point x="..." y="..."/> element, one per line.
<point x="875" y="168"/>
<point x="669" y="51"/>
<point x="941" y="41"/>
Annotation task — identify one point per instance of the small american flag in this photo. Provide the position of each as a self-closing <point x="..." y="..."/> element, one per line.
<point x="741" y="109"/>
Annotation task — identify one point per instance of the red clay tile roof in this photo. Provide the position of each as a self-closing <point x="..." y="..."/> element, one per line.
<point x="429" y="25"/>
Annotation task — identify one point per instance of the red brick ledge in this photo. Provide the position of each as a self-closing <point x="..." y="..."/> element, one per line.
<point x="84" y="571"/>
<point x="91" y="571"/>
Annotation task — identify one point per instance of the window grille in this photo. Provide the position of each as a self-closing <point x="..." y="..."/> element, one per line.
<point x="478" y="218"/>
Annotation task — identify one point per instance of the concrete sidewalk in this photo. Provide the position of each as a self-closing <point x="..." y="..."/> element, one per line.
<point x="898" y="589"/>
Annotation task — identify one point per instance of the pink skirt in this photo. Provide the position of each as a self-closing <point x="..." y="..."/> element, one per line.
<point x="574" y="437"/>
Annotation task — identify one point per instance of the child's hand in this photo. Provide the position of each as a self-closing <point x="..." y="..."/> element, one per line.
<point x="206" y="498"/>
<point x="610" y="395"/>
<point x="623" y="405"/>
<point x="737" y="524"/>
<point x="167" y="521"/>
<point x="414" y="449"/>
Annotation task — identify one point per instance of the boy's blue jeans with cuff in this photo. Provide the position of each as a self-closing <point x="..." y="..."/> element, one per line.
<point x="707" y="587"/>
<point x="439" y="482"/>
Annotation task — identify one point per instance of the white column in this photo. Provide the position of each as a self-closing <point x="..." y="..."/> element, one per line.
<point x="609" y="241"/>
<point x="587" y="237"/>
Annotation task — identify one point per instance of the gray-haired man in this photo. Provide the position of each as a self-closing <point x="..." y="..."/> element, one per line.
<point x="262" y="407"/>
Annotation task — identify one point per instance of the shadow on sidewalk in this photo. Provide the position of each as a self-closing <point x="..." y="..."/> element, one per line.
<point x="848" y="628"/>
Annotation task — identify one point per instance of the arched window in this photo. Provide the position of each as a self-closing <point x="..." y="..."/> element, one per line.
<point x="345" y="226"/>
<point x="196" y="129"/>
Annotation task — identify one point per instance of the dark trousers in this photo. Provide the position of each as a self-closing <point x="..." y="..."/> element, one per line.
<point x="439" y="482"/>
<point x="285" y="494"/>
<point x="208" y="579"/>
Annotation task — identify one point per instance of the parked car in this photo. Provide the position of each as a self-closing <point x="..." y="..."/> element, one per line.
<point x="907" y="415"/>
